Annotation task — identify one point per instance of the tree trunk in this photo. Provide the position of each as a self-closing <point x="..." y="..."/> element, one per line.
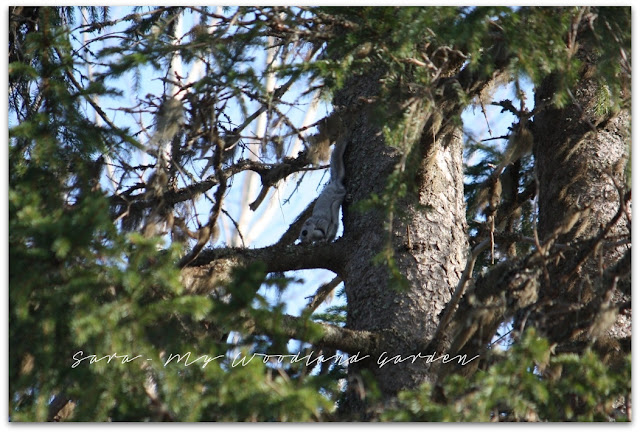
<point x="581" y="156"/>
<point x="428" y="243"/>
<point x="574" y="288"/>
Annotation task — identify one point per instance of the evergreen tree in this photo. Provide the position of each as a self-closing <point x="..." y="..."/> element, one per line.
<point x="481" y="281"/>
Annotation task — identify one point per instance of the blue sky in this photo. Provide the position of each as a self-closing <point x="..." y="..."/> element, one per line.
<point x="147" y="81"/>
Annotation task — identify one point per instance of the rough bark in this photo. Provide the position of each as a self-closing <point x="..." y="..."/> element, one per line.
<point x="428" y="236"/>
<point x="428" y="245"/>
<point x="428" y="241"/>
<point x="581" y="156"/>
<point x="575" y="286"/>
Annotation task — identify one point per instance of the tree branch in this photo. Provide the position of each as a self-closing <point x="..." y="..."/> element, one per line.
<point x="269" y="173"/>
<point x="323" y="334"/>
<point x="212" y="268"/>
<point x="464" y="279"/>
<point x="321" y="294"/>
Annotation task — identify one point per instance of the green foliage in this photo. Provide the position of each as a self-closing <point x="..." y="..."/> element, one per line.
<point x="611" y="39"/>
<point x="336" y="315"/>
<point x="412" y="49"/>
<point x="100" y="315"/>
<point x="96" y="313"/>
<point x="527" y="383"/>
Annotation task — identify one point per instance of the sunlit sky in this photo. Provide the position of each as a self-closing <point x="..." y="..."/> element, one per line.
<point x="266" y="230"/>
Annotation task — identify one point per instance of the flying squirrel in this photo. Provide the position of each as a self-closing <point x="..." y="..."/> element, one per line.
<point x="323" y="223"/>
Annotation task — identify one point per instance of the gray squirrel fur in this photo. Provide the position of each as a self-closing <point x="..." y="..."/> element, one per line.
<point x="323" y="223"/>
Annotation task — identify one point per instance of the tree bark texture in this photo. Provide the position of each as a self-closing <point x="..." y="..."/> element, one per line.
<point x="575" y="285"/>
<point x="581" y="156"/>
<point x="428" y="240"/>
